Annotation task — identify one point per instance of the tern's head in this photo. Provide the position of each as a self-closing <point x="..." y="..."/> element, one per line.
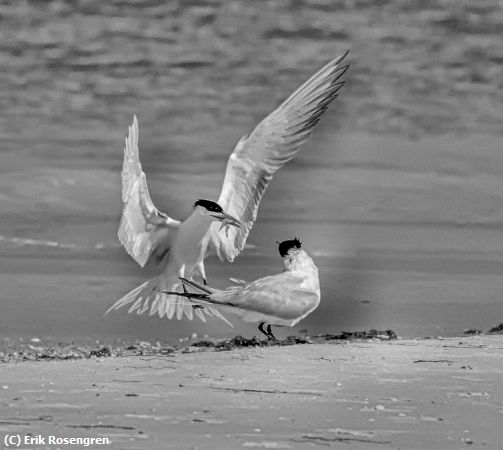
<point x="289" y="247"/>
<point x="295" y="258"/>
<point x="215" y="212"/>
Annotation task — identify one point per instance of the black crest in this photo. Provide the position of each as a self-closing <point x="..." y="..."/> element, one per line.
<point x="209" y="205"/>
<point x="285" y="246"/>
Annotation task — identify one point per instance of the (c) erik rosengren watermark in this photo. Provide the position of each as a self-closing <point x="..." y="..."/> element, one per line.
<point x="18" y="440"/>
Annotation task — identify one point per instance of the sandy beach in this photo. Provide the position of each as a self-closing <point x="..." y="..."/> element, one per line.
<point x="364" y="394"/>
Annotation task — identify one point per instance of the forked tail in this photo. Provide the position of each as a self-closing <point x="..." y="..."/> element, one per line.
<point x="149" y="297"/>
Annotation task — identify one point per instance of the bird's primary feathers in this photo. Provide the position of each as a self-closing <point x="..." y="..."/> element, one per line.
<point x="143" y="228"/>
<point x="272" y="143"/>
<point x="179" y="248"/>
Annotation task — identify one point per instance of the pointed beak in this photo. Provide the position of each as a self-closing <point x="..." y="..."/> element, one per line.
<point x="227" y="219"/>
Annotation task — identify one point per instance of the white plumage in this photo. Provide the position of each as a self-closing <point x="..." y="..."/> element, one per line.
<point x="271" y="144"/>
<point x="283" y="299"/>
<point x="179" y="248"/>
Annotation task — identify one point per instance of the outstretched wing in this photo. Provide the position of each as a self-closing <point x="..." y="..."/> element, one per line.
<point x="272" y="143"/>
<point x="143" y="228"/>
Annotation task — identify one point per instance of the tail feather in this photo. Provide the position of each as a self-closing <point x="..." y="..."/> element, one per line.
<point x="148" y="297"/>
<point x="201" y="298"/>
<point x="169" y="309"/>
<point x="238" y="281"/>
<point x="189" y="312"/>
<point x="200" y="314"/>
<point x="180" y="310"/>
<point x="131" y="296"/>
<point x="216" y="313"/>
<point x="143" y="308"/>
<point x="135" y="306"/>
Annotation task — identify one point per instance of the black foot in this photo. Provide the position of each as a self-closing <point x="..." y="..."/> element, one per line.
<point x="269" y="333"/>
<point x="204" y="282"/>
<point x="190" y="295"/>
<point x="261" y="328"/>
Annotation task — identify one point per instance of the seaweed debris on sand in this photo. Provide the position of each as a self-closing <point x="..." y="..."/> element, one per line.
<point x="62" y="351"/>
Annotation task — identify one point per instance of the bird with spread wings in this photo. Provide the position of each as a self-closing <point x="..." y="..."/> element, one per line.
<point x="178" y="248"/>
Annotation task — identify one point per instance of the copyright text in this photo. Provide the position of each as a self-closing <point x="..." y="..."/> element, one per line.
<point x="18" y="440"/>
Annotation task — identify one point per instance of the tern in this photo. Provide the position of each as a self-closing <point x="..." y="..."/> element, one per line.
<point x="178" y="248"/>
<point x="283" y="299"/>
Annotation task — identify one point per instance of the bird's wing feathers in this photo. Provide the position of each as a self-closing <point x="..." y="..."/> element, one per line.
<point x="151" y="297"/>
<point x="284" y="295"/>
<point x="275" y="295"/>
<point x="143" y="228"/>
<point x="272" y="143"/>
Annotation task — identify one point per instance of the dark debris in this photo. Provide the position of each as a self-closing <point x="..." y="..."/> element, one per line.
<point x="26" y="352"/>
<point x="104" y="351"/>
<point x="240" y="342"/>
<point x="22" y="351"/>
<point x="371" y="334"/>
<point x="498" y="329"/>
<point x="472" y="331"/>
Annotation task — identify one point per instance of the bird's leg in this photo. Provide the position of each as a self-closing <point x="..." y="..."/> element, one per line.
<point x="202" y="273"/>
<point x="181" y="274"/>
<point x="189" y="294"/>
<point x="269" y="333"/>
<point x="160" y="255"/>
<point x="261" y="328"/>
<point x="200" y="268"/>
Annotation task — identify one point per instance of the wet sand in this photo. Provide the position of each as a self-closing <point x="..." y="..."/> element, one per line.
<point x="419" y="281"/>
<point x="405" y="394"/>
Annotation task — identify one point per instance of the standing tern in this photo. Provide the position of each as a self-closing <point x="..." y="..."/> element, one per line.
<point x="179" y="248"/>
<point x="283" y="299"/>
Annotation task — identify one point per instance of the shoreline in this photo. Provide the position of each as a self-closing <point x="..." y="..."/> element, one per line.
<point x="408" y="394"/>
<point x="35" y="349"/>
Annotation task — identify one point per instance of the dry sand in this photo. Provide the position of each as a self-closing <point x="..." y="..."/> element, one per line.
<point x="402" y="394"/>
